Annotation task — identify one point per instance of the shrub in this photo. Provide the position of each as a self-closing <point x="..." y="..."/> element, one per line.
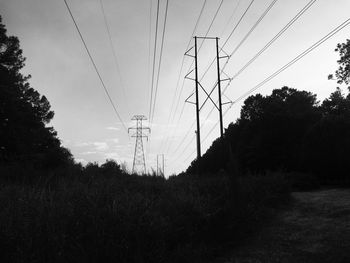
<point x="126" y="218"/>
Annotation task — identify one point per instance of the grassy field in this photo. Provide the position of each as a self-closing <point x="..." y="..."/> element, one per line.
<point x="316" y="228"/>
<point x="94" y="217"/>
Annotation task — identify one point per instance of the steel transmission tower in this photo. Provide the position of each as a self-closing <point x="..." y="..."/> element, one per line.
<point x="139" y="163"/>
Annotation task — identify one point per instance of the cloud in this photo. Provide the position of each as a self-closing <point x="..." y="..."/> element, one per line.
<point x="113" y="128"/>
<point x="115" y="140"/>
<point x="81" y="160"/>
<point x="88" y="152"/>
<point x="97" y="146"/>
<point x="82" y="144"/>
<point x="112" y="156"/>
<point x="66" y="142"/>
<point x="100" y="146"/>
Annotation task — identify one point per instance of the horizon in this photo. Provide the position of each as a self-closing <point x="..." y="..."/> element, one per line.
<point x="85" y="121"/>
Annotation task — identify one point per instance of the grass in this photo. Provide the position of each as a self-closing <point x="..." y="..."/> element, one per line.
<point x="314" y="228"/>
<point x="74" y="216"/>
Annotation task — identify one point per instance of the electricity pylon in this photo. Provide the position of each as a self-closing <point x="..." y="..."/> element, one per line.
<point x="198" y="86"/>
<point x="139" y="163"/>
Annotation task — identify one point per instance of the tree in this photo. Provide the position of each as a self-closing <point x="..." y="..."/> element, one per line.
<point x="272" y="129"/>
<point x="24" y="113"/>
<point x="336" y="104"/>
<point x="342" y="74"/>
<point x="111" y="167"/>
<point x="326" y="148"/>
<point x="267" y="136"/>
<point x="289" y="130"/>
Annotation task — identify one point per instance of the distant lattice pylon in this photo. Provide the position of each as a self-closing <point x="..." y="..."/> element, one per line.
<point x="139" y="163"/>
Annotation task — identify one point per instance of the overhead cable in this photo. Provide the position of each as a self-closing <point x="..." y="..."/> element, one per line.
<point x="113" y="52"/>
<point x="283" y="68"/>
<point x="154" y="61"/>
<point x="95" y="67"/>
<point x="160" y="60"/>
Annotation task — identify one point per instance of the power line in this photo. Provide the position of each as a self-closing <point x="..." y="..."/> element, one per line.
<point x="113" y="51"/>
<point x="213" y="19"/>
<point x="241" y="43"/>
<point x="253" y="27"/>
<point x="232" y="31"/>
<point x="149" y="44"/>
<point x="231" y="16"/>
<point x="238" y="23"/>
<point x="154" y="60"/>
<point x="245" y="37"/>
<point x="183" y="57"/>
<point x="149" y="57"/>
<point x="294" y="60"/>
<point x="291" y="22"/>
<point x="210" y="132"/>
<point x="206" y="34"/>
<point x="182" y="141"/>
<point x="160" y="59"/>
<point x="286" y="66"/>
<point x="181" y="68"/>
<point x="95" y="67"/>
<point x="159" y="66"/>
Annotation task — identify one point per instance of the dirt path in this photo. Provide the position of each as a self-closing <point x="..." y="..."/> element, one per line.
<point x="315" y="229"/>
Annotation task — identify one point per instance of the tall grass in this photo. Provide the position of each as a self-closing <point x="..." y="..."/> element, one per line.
<point x="124" y="218"/>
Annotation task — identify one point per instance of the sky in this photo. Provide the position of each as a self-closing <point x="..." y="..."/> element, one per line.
<point x="84" y="118"/>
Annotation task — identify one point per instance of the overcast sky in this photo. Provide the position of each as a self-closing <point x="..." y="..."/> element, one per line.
<point x="84" y="118"/>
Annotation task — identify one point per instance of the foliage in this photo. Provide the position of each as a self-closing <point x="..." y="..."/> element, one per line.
<point x="342" y="74"/>
<point x="326" y="146"/>
<point x="288" y="130"/>
<point x="76" y="215"/>
<point x="24" y="113"/>
<point x="66" y="212"/>
<point x="268" y="135"/>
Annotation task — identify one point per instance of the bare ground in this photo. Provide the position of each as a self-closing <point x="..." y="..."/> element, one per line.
<point x="316" y="228"/>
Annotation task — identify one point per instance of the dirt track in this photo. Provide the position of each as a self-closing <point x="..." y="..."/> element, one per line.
<point x="316" y="228"/>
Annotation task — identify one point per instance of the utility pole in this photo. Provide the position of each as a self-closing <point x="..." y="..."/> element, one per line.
<point x="139" y="163"/>
<point x="197" y="103"/>
<point x="219" y="87"/>
<point x="218" y="105"/>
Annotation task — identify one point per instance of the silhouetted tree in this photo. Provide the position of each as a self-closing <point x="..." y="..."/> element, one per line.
<point x="111" y="167"/>
<point x="274" y="130"/>
<point x="342" y="74"/>
<point x="24" y="113"/>
<point x="327" y="143"/>
<point x="289" y="130"/>
<point x="268" y="135"/>
<point x="336" y="104"/>
<point x="327" y="148"/>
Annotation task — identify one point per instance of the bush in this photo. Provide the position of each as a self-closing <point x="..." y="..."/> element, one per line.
<point x="303" y="181"/>
<point x="126" y="218"/>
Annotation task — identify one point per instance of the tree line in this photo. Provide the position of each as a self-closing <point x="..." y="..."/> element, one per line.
<point x="289" y="130"/>
<point x="25" y="136"/>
